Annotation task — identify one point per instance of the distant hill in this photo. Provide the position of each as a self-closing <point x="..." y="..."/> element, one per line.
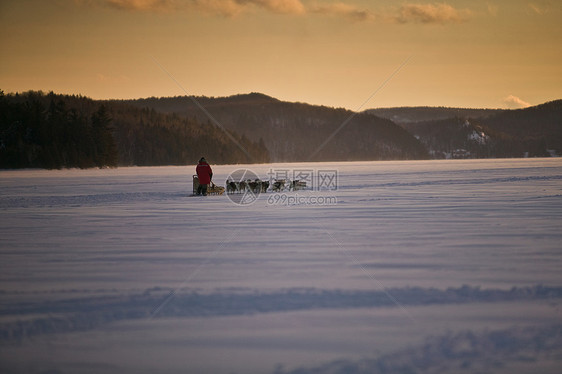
<point x="53" y="131"/>
<point x="295" y="131"/>
<point x="39" y="130"/>
<point x="532" y="132"/>
<point x="407" y="115"/>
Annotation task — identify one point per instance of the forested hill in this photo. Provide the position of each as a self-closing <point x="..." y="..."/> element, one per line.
<point x="296" y="131"/>
<point x="406" y="115"/>
<point x="40" y="130"/>
<point x="532" y="132"/>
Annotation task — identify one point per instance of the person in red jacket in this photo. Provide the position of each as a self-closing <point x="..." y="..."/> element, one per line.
<point x="205" y="174"/>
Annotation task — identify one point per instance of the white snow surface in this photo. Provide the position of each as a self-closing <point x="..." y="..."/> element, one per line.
<point x="81" y="234"/>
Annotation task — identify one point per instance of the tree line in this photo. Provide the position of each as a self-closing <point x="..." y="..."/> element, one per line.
<point x="43" y="131"/>
<point x="294" y="132"/>
<point x="51" y="131"/>
<point x="532" y="132"/>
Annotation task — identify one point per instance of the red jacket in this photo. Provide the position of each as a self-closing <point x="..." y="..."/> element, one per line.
<point x="204" y="172"/>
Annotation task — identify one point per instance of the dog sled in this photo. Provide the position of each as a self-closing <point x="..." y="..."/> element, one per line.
<point x="212" y="189"/>
<point x="260" y="186"/>
<point x="254" y="186"/>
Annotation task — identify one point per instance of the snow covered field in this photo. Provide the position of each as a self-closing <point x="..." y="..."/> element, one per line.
<point x="435" y="266"/>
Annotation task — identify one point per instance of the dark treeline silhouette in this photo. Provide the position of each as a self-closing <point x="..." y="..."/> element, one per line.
<point x="147" y="137"/>
<point x="443" y="137"/>
<point x="53" y="131"/>
<point x="295" y="131"/>
<point x="40" y="130"/>
<point x="532" y="132"/>
<point x="404" y="115"/>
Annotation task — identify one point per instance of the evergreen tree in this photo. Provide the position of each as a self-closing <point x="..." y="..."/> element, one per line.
<point x="105" y="149"/>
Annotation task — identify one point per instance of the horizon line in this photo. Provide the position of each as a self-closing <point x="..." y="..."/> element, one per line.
<point x="47" y="92"/>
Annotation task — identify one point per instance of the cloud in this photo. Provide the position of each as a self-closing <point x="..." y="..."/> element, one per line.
<point x="537" y="9"/>
<point x="440" y="13"/>
<point x="143" y="5"/>
<point x="493" y="9"/>
<point x="431" y="13"/>
<point x="347" y="11"/>
<point x="513" y="102"/>
<point x="228" y="8"/>
<point x="221" y="7"/>
<point x="278" y="6"/>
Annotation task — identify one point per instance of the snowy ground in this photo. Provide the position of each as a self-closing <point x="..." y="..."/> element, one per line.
<point x="433" y="265"/>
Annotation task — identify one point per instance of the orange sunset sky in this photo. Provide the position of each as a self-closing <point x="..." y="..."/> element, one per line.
<point x="493" y="54"/>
